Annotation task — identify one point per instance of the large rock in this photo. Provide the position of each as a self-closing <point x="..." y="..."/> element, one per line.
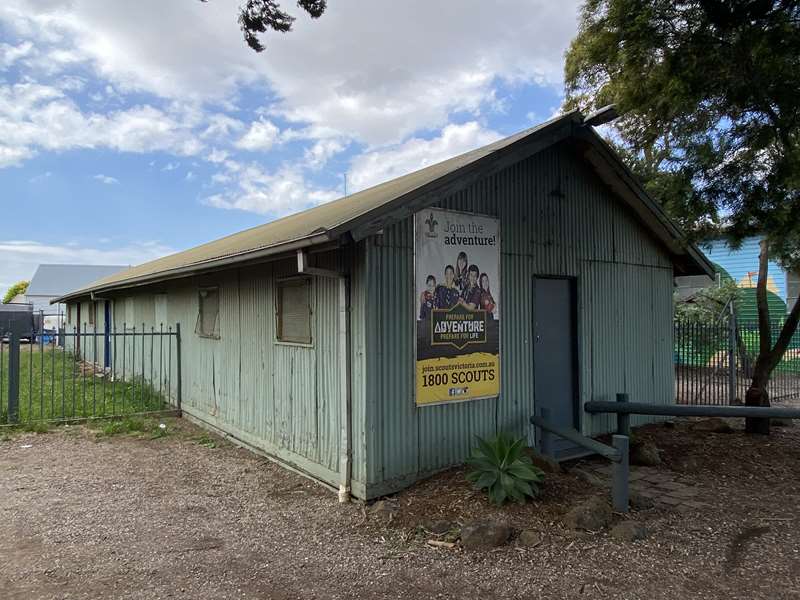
<point x="629" y="531"/>
<point x="530" y="538"/>
<point x="781" y="422"/>
<point x="590" y="478"/>
<point x="645" y="454"/>
<point x="591" y="515"/>
<point x="484" y="535"/>
<point x="637" y="501"/>
<point x="712" y="425"/>
<point x="437" y="527"/>
<point x="384" y="510"/>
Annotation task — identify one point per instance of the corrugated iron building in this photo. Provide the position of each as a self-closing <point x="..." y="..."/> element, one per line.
<point x="339" y="405"/>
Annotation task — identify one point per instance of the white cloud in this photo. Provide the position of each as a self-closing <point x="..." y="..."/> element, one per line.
<point x="21" y="257"/>
<point x="39" y="116"/>
<point x="374" y="167"/>
<point x="275" y="194"/>
<point x="221" y="126"/>
<point x="401" y="66"/>
<point x="105" y="179"/>
<point x="322" y="151"/>
<point x="10" y="54"/>
<point x="261" y="136"/>
<point x="13" y="155"/>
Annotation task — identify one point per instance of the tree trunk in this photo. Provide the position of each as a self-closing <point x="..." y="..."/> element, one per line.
<point x="757" y="392"/>
<point x="757" y="395"/>
<point x="768" y="356"/>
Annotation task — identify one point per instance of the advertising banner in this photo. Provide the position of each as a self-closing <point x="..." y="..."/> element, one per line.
<point x="457" y="279"/>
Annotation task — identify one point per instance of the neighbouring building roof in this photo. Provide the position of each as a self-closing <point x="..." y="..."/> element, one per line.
<point x="366" y="212"/>
<point x="56" y="280"/>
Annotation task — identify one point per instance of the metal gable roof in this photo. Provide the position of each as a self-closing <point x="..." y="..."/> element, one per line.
<point x="366" y="211"/>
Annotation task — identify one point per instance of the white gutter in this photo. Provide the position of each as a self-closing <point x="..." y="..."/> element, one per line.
<point x="346" y="452"/>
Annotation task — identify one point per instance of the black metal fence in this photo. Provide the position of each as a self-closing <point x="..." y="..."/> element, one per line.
<point x="85" y="374"/>
<point x="713" y="363"/>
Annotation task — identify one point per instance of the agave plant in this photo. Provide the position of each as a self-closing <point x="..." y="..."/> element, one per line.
<point x="499" y="466"/>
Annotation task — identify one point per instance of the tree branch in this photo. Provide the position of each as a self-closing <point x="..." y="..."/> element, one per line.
<point x="764" y="326"/>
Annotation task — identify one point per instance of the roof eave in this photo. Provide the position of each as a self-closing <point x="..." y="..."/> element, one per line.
<point x="199" y="267"/>
<point x="688" y="259"/>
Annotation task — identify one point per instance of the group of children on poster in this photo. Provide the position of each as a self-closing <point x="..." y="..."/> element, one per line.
<point x="463" y="284"/>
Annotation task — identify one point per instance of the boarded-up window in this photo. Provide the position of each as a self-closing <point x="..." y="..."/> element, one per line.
<point x="792" y="289"/>
<point x="208" y="316"/>
<point x="294" y="311"/>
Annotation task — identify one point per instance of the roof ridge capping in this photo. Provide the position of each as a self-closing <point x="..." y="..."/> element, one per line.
<point x="365" y="212"/>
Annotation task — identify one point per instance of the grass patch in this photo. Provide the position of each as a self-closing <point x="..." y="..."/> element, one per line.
<point x="134" y="425"/>
<point x="55" y="386"/>
<point x="36" y="427"/>
<point x="207" y="441"/>
<point x="123" y="426"/>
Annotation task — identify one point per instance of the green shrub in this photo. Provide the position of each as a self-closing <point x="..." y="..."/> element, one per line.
<point x="499" y="467"/>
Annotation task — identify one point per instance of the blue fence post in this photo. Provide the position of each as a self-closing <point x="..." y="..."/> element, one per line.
<point x="13" y="378"/>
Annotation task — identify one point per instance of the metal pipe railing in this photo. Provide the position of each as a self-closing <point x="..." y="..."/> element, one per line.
<point x="617" y="453"/>
<point x="681" y="410"/>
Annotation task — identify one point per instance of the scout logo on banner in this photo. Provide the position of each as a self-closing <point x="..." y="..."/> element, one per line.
<point x="457" y="279"/>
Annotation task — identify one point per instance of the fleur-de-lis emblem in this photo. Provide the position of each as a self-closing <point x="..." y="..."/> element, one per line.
<point x="431" y="222"/>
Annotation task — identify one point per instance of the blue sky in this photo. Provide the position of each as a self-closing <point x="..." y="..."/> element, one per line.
<point x="132" y="130"/>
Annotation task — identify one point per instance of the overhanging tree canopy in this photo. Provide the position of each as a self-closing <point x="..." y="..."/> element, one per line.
<point x="708" y="93"/>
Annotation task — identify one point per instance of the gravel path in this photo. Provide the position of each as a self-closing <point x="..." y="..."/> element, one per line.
<point x="133" y="517"/>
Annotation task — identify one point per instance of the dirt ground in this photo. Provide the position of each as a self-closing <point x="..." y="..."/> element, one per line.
<point x="182" y="516"/>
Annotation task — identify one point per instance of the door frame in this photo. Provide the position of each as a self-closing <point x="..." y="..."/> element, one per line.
<point x="573" y="282"/>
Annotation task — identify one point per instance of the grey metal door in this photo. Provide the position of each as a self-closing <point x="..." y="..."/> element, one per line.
<point x="555" y="356"/>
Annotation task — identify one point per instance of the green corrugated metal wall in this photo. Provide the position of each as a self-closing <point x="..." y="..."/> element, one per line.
<point x="282" y="399"/>
<point x="557" y="218"/>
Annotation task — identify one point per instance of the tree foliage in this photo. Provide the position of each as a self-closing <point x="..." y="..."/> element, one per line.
<point x="711" y="113"/>
<point x="258" y="16"/>
<point x="708" y="306"/>
<point x="18" y="288"/>
<point x="708" y="93"/>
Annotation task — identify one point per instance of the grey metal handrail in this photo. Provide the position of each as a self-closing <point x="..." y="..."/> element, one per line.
<point x="678" y="410"/>
<point x="617" y="454"/>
